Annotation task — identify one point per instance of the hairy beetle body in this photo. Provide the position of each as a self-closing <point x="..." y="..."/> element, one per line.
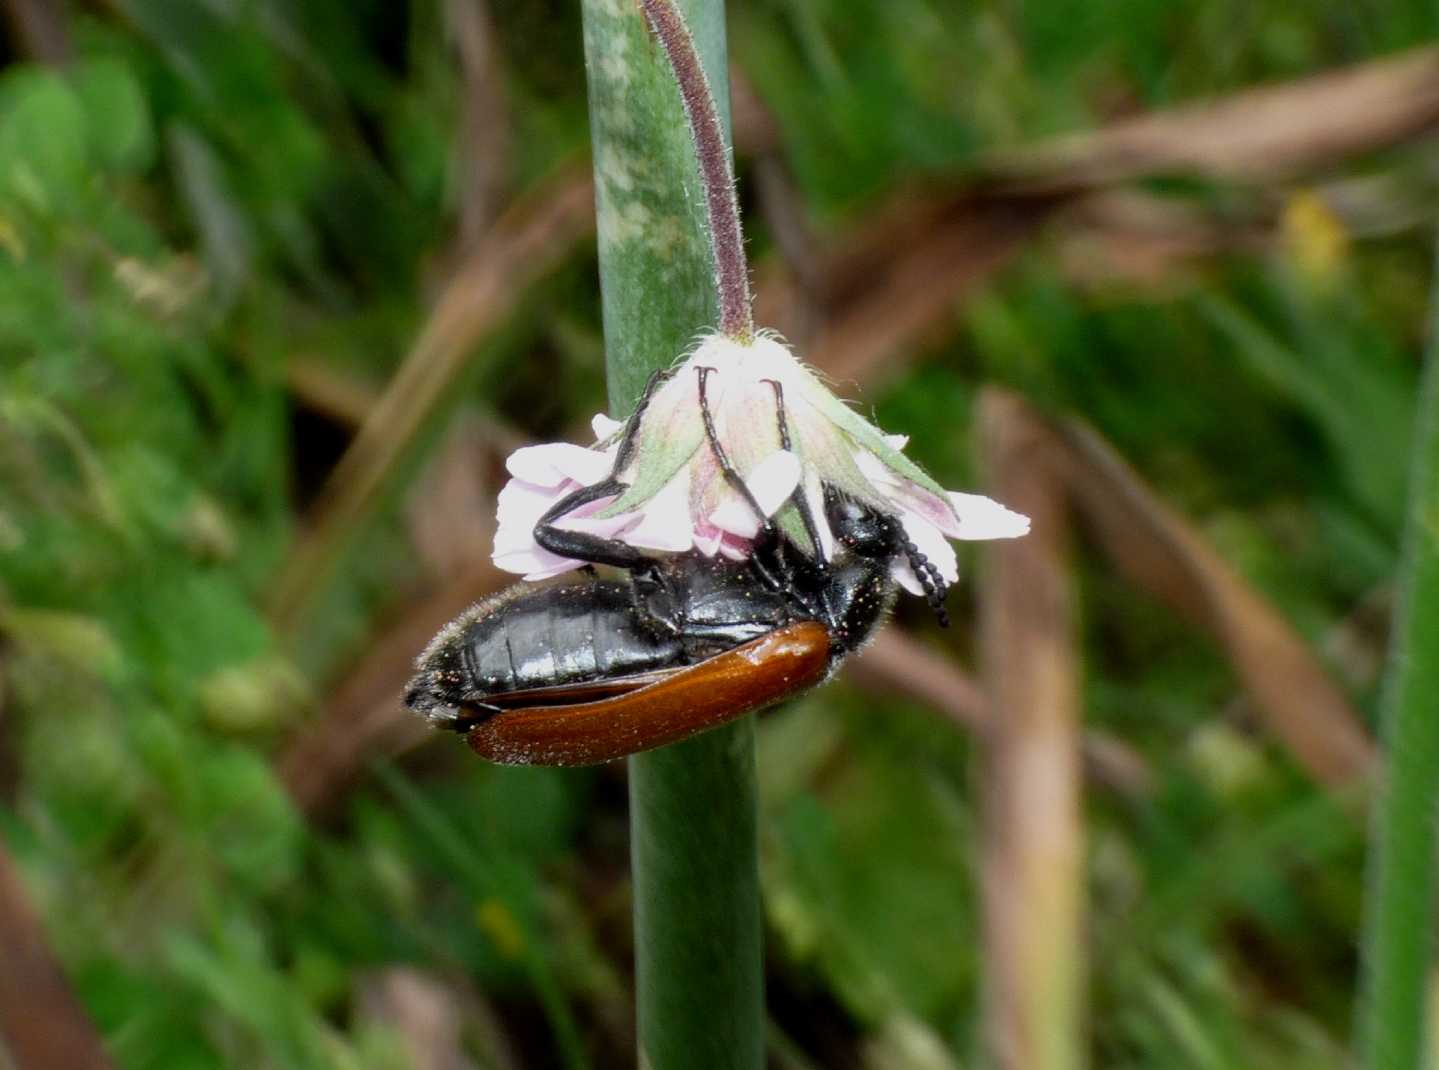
<point x="591" y="638"/>
<point x="593" y="669"/>
<point x="548" y="636"/>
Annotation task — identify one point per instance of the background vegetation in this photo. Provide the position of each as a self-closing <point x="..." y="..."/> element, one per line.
<point x="281" y="283"/>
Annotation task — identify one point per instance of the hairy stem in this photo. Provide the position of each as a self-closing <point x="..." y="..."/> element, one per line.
<point x="1399" y="923"/>
<point x="731" y="269"/>
<point x="692" y="805"/>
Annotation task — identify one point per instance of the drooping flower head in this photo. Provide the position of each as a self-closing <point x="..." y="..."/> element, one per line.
<point x="785" y="434"/>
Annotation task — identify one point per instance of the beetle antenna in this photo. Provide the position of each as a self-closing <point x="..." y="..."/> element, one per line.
<point x="935" y="589"/>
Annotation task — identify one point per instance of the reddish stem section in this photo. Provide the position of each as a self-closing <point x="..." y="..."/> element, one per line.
<point x="726" y="237"/>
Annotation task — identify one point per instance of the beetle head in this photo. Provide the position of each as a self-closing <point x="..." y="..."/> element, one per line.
<point x="860" y="530"/>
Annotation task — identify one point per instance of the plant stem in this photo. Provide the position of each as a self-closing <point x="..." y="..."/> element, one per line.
<point x="692" y="806"/>
<point x="1398" y="944"/>
<point x="698" y="950"/>
<point x="736" y="315"/>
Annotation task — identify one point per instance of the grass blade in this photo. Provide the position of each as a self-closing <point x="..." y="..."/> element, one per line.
<point x="1398" y="937"/>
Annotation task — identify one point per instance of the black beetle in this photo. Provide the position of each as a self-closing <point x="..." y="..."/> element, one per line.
<point x="591" y="669"/>
<point x="648" y="656"/>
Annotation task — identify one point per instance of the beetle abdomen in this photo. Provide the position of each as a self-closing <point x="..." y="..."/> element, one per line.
<point x="556" y="636"/>
<point x="538" y="637"/>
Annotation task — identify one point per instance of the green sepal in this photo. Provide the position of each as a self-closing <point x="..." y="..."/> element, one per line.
<point x="791" y="526"/>
<point x="867" y="435"/>
<point x="656" y="465"/>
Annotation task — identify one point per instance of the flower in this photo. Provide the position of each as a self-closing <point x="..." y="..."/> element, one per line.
<point x="785" y="434"/>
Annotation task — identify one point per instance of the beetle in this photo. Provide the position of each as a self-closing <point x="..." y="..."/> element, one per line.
<point x="592" y="669"/>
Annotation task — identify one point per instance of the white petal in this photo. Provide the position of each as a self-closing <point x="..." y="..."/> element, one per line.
<point x="735" y="549"/>
<point x="896" y="442"/>
<point x="605" y="527"/>
<point x="985" y="518"/>
<point x="604" y="427"/>
<point x="772" y="482"/>
<point x="903" y="575"/>
<point x="814" y="495"/>
<point x="884" y="478"/>
<point x="932" y="543"/>
<point x="558" y="569"/>
<point x="936" y="508"/>
<point x="514" y="538"/>
<point x="534" y="563"/>
<point x="521" y="504"/>
<point x="708" y="538"/>
<point x="552" y="463"/>
<point x="665" y="521"/>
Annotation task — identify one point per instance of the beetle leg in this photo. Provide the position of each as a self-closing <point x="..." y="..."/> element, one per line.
<point x="667" y="618"/>
<point x="732" y="476"/>
<point x="593" y="548"/>
<point x="632" y="425"/>
<point x="581" y="545"/>
<point x="768" y="534"/>
<point x="797" y="498"/>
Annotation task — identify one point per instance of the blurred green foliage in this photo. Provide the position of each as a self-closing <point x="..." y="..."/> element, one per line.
<point x="212" y="190"/>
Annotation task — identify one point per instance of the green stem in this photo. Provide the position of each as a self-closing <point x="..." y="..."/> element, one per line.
<point x="698" y="951"/>
<point x="1399" y="920"/>
<point x="712" y="153"/>
<point x="692" y="806"/>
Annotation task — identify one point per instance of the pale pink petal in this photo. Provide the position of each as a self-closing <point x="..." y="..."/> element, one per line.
<point x="554" y="462"/>
<point x="771" y="483"/>
<point x="520" y="507"/>
<point x="559" y="569"/>
<point x="912" y="498"/>
<point x="903" y="575"/>
<point x="515" y="548"/>
<point x="773" y="480"/>
<point x="512" y="540"/>
<point x="665" y="522"/>
<point x="606" y="527"/>
<point x="736" y="517"/>
<point x="884" y="478"/>
<point x="907" y="495"/>
<point x="708" y="538"/>
<point x="932" y="543"/>
<point x="985" y="518"/>
<point x="746" y="421"/>
<point x="814" y="496"/>
<point x="603" y="426"/>
<point x="707" y="485"/>
<point x="534" y="563"/>
<point x="735" y="549"/>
